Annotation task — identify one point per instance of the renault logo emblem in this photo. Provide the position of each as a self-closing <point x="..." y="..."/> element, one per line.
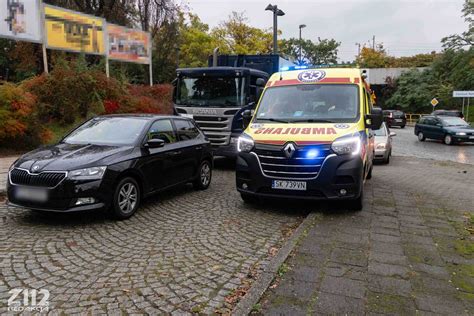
<point x="289" y="150"/>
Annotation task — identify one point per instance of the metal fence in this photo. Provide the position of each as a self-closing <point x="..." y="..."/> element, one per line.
<point x="412" y="118"/>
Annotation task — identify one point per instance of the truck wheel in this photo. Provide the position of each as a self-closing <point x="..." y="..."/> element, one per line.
<point x="248" y="199"/>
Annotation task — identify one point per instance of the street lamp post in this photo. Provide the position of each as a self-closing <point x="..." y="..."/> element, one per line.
<point x="276" y="13"/>
<point x="301" y="27"/>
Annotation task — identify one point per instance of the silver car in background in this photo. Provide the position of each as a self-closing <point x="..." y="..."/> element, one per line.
<point x="383" y="144"/>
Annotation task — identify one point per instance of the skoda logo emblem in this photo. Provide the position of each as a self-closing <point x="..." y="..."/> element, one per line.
<point x="289" y="150"/>
<point x="311" y="76"/>
<point x="35" y="168"/>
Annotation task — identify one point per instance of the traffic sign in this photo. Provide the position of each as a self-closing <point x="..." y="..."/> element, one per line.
<point x="463" y="94"/>
<point x="434" y="102"/>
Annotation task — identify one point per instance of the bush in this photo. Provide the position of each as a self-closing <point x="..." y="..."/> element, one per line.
<point x="70" y="93"/>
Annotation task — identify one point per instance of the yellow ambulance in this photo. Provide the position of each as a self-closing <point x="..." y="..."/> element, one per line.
<point x="310" y="137"/>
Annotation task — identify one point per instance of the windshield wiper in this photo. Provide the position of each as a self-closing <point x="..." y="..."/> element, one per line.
<point x="313" y="121"/>
<point x="272" y="120"/>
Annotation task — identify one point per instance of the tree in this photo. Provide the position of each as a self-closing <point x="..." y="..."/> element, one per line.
<point x="373" y="58"/>
<point x="466" y="38"/>
<point x="235" y="36"/>
<point x="321" y="53"/>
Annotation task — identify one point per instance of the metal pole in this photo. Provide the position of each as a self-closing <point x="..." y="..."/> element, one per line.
<point x="462" y="111"/>
<point x="43" y="26"/>
<point x="275" y="31"/>
<point x="467" y="114"/>
<point x="107" y="67"/>
<point x="151" y="61"/>
<point x="300" y="47"/>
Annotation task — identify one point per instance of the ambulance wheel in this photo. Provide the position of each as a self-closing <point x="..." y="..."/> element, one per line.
<point x="248" y="199"/>
<point x="357" y="204"/>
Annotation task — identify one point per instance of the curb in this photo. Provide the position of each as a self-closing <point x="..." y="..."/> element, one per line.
<point x="261" y="284"/>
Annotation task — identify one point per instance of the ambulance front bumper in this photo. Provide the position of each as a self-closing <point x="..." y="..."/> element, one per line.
<point x="339" y="178"/>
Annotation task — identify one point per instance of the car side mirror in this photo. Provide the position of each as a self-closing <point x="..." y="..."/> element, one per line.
<point x="155" y="143"/>
<point x="260" y="82"/>
<point x="246" y="118"/>
<point x="393" y="134"/>
<point x="439" y="124"/>
<point x="374" y="120"/>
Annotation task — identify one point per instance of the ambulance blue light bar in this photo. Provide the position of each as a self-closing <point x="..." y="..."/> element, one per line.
<point x="296" y="67"/>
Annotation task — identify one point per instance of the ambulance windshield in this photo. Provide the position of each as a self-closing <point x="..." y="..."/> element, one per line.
<point x="310" y="103"/>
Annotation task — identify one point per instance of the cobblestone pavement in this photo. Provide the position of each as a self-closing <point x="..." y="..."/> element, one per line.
<point x="183" y="252"/>
<point x="5" y="163"/>
<point x="406" y="144"/>
<point x="410" y="251"/>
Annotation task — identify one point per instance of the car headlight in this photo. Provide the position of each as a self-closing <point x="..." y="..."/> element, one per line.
<point x="93" y="173"/>
<point x="380" y="146"/>
<point x="461" y="134"/>
<point x="245" y="143"/>
<point x="347" y="146"/>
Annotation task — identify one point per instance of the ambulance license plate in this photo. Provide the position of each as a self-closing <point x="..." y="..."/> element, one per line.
<point x="289" y="185"/>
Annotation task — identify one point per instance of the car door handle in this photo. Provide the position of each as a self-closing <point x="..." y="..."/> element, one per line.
<point x="198" y="147"/>
<point x="173" y="153"/>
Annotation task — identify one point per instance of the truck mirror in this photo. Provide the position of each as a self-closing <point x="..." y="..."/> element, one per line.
<point x="259" y="92"/>
<point x="260" y="82"/>
<point x="376" y="118"/>
<point x="246" y="118"/>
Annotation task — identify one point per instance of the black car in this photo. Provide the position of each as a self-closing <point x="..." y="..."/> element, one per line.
<point x="449" y="129"/>
<point x="112" y="162"/>
<point x="395" y="118"/>
<point x="454" y="113"/>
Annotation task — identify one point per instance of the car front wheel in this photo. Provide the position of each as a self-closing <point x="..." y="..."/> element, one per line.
<point x="448" y="140"/>
<point x="421" y="137"/>
<point x="203" y="180"/>
<point x="126" y="198"/>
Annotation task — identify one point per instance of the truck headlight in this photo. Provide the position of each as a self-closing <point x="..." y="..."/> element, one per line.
<point x="461" y="134"/>
<point x="93" y="173"/>
<point x="245" y="143"/>
<point x="347" y="146"/>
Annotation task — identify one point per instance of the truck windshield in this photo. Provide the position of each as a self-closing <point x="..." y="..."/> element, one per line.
<point x="211" y="91"/>
<point x="310" y="103"/>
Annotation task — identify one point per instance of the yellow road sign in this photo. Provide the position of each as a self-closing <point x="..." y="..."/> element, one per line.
<point x="434" y="102"/>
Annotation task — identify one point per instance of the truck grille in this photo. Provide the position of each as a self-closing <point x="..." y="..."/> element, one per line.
<point x="43" y="179"/>
<point x="216" y="128"/>
<point x="275" y="164"/>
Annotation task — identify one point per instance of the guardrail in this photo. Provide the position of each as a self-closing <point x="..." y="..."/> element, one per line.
<point x="412" y="118"/>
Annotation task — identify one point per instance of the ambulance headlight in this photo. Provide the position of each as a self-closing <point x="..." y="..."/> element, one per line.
<point x="347" y="146"/>
<point x="245" y="143"/>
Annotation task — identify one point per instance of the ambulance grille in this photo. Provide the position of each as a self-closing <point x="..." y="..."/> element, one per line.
<point x="275" y="164"/>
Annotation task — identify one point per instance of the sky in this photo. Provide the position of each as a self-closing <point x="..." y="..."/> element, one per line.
<point x="405" y="27"/>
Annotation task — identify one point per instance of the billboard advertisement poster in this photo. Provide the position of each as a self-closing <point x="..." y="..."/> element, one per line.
<point x="128" y="45"/>
<point x="20" y="20"/>
<point x="74" y="31"/>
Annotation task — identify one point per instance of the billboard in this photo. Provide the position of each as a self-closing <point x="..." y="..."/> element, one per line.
<point x="73" y="31"/>
<point x="129" y="45"/>
<point x="20" y="20"/>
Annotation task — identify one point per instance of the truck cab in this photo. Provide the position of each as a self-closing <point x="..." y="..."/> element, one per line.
<point x="309" y="138"/>
<point x="215" y="97"/>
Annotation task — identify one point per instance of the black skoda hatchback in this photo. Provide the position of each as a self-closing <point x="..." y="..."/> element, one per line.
<point x="112" y="162"/>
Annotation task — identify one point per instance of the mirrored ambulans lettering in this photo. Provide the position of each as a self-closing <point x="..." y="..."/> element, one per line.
<point x="296" y="131"/>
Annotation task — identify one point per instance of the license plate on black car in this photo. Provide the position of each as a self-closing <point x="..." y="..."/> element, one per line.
<point x="289" y="185"/>
<point x="31" y="194"/>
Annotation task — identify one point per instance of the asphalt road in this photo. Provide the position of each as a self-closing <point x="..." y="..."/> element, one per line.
<point x="407" y="144"/>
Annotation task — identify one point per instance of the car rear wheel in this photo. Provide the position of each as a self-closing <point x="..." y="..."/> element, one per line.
<point x="448" y="140"/>
<point x="126" y="198"/>
<point x="369" y="174"/>
<point x="421" y="137"/>
<point x="203" y="180"/>
<point x="403" y="126"/>
<point x="387" y="160"/>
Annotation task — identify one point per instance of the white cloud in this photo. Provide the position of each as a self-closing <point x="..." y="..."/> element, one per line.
<point x="406" y="27"/>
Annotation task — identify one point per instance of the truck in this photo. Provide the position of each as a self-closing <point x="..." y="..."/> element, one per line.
<point x="216" y="96"/>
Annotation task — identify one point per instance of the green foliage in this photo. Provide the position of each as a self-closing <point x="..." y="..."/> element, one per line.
<point x="459" y="41"/>
<point x="378" y="58"/>
<point x="453" y="70"/>
<point x="324" y="52"/>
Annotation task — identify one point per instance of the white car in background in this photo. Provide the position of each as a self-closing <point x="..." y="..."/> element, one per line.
<point x="383" y="144"/>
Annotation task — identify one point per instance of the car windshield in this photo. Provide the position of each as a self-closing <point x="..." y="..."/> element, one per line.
<point x="108" y="130"/>
<point x="310" y="103"/>
<point x="454" y="121"/>
<point x="381" y="131"/>
<point x="224" y="91"/>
